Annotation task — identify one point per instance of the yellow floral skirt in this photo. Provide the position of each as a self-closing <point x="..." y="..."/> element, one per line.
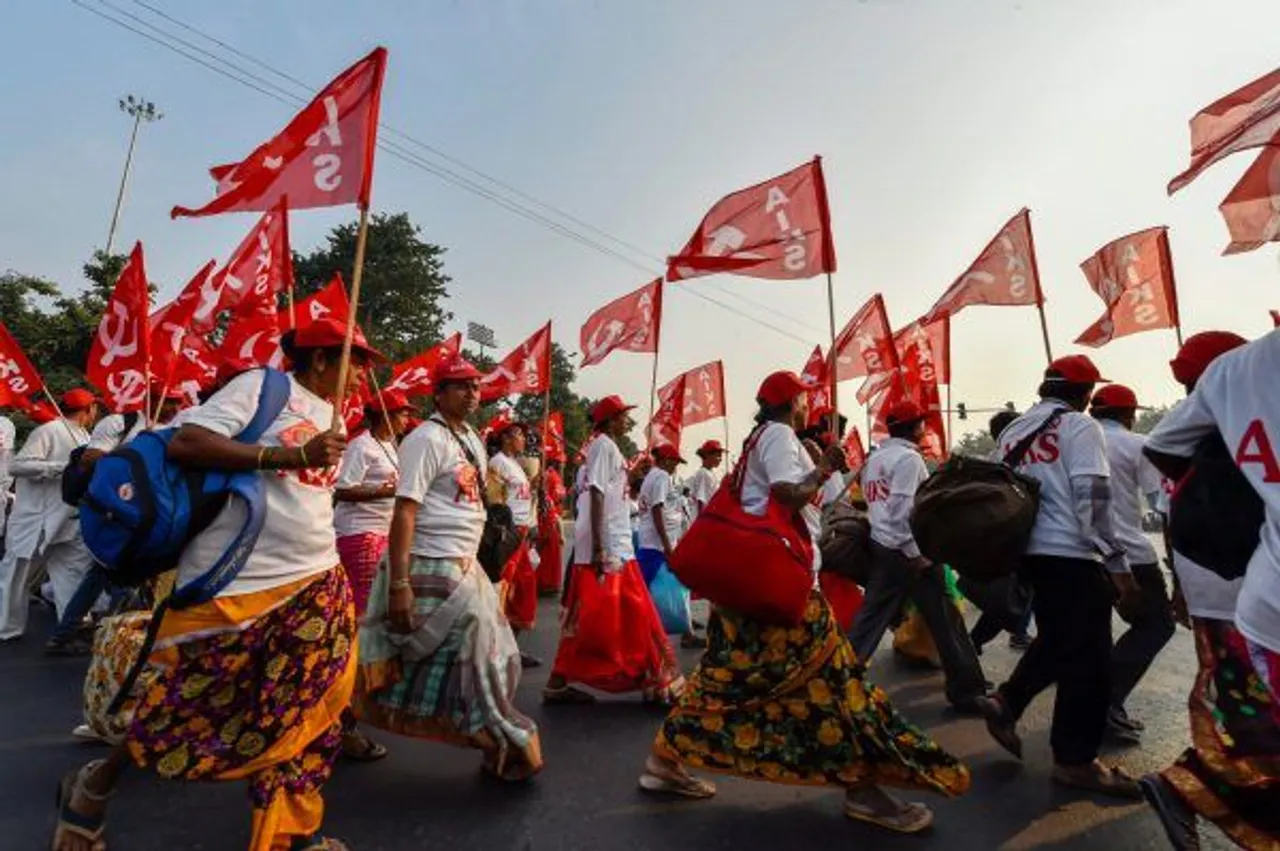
<point x="791" y="706"/>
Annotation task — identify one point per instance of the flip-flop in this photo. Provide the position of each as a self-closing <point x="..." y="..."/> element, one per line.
<point x="1178" y="821"/>
<point x="318" y="843"/>
<point x="69" y="821"/>
<point x="566" y="695"/>
<point x="369" y="751"/>
<point x="910" y="817"/>
<point x="1112" y="782"/>
<point x="1000" y="723"/>
<point x="660" y="780"/>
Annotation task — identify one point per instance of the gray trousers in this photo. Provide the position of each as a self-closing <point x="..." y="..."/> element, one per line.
<point x="892" y="584"/>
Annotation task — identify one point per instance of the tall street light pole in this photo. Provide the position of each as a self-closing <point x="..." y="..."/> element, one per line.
<point x="140" y="110"/>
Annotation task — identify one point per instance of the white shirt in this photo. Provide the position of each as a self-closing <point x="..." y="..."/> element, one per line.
<point x="1236" y="396"/>
<point x="832" y="489"/>
<point x="702" y="486"/>
<point x="1072" y="448"/>
<point x="659" y="490"/>
<point x="1206" y="593"/>
<point x="604" y="470"/>
<point x="890" y="479"/>
<point x="515" y="488"/>
<point x="367" y="462"/>
<point x="7" y="439"/>
<point x="436" y="474"/>
<point x="110" y="432"/>
<point x="1134" y="484"/>
<point x="39" y="516"/>
<point x="780" y="457"/>
<point x="297" y="537"/>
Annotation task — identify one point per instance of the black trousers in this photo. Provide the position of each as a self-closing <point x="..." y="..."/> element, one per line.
<point x="1146" y="637"/>
<point x="1072" y="601"/>
<point x="891" y="585"/>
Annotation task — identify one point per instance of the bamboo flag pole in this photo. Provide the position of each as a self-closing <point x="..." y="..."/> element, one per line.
<point x="382" y="402"/>
<point x="1167" y="253"/>
<point x="831" y="361"/>
<point x="357" y="274"/>
<point x="653" y="380"/>
<point x="1035" y="273"/>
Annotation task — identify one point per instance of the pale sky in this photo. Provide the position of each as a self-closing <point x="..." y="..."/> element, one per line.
<point x="937" y="120"/>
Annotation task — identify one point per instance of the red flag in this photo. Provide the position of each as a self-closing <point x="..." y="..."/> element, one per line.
<point x="629" y="323"/>
<point x="815" y="372"/>
<point x="195" y="368"/>
<point x="526" y="370"/>
<point x="703" y="393"/>
<point x="905" y="386"/>
<point x="19" y="380"/>
<point x="933" y="344"/>
<point x="668" y="421"/>
<point x="414" y="376"/>
<point x="1247" y="118"/>
<point x="553" y="446"/>
<point x="331" y="302"/>
<point x="252" y="338"/>
<point x="865" y="346"/>
<point x="854" y="452"/>
<point x="1004" y="273"/>
<point x="1134" y="278"/>
<point x="260" y="267"/>
<point x="1252" y="208"/>
<point x="120" y="357"/>
<point x="779" y="229"/>
<point x="173" y="323"/>
<point x="323" y="158"/>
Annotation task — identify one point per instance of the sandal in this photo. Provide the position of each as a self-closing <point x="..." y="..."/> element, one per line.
<point x="663" y="779"/>
<point x="566" y="695"/>
<point x="909" y="818"/>
<point x="1000" y="722"/>
<point x="1098" y="778"/>
<point x="88" y="828"/>
<point x="1179" y="821"/>
<point x="357" y="747"/>
<point x="316" y="842"/>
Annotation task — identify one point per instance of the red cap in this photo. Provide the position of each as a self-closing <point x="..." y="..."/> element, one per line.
<point x="456" y="368"/>
<point x="393" y="400"/>
<point x="1199" y="351"/>
<point x="607" y="408"/>
<point x="709" y="447"/>
<point x="1115" y="396"/>
<point x="1074" y="369"/>
<point x="667" y="451"/>
<point x="903" y="413"/>
<point x="500" y="423"/>
<point x="781" y="387"/>
<point x="328" y="332"/>
<point x="77" y="399"/>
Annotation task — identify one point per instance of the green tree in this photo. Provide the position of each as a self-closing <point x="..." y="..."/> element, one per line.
<point x="1150" y="418"/>
<point x="404" y="286"/>
<point x="975" y="443"/>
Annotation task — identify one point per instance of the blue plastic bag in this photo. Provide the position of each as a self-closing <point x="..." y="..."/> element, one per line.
<point x="672" y="601"/>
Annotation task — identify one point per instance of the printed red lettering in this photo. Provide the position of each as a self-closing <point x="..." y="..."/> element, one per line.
<point x="1255" y="448"/>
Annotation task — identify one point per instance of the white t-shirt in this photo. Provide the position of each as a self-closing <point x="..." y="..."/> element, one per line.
<point x="436" y="474"/>
<point x="1236" y="396"/>
<point x="1134" y="482"/>
<point x="658" y="489"/>
<point x="890" y="479"/>
<point x="8" y="437"/>
<point x="604" y="470"/>
<point x="780" y="457"/>
<point x="515" y="485"/>
<point x="297" y="538"/>
<point x="832" y="489"/>
<point x="367" y="462"/>
<point x="110" y="432"/>
<point x="1207" y="594"/>
<point x="1073" y="447"/>
<point x="702" y="486"/>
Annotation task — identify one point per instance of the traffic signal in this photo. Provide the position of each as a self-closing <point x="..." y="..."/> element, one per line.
<point x="962" y="411"/>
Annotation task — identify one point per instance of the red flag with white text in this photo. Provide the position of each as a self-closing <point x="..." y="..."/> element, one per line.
<point x="703" y="393"/>
<point x="779" y="229"/>
<point x="854" y="452"/>
<point x="120" y="357"/>
<point x="815" y="372"/>
<point x="553" y="446"/>
<point x="668" y="420"/>
<point x="1247" y="118"/>
<point x="865" y="346"/>
<point x="1252" y="207"/>
<point x="527" y="370"/>
<point x="329" y="302"/>
<point x="629" y="323"/>
<point x="932" y="341"/>
<point x="259" y="268"/>
<point x="172" y="323"/>
<point x="253" y="337"/>
<point x="323" y="158"/>
<point x="1133" y="276"/>
<point x="1004" y="273"/>
<point x="415" y="376"/>
<point x="19" y="380"/>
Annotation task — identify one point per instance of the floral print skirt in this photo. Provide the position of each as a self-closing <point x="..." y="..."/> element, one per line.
<point x="791" y="705"/>
<point x="253" y="687"/>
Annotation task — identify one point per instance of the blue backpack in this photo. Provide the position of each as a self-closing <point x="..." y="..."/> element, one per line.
<point x="140" y="510"/>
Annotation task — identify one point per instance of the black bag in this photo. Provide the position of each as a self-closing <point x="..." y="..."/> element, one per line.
<point x="1215" y="515"/>
<point x="845" y="542"/>
<point x="499" y="540"/>
<point x="977" y="515"/>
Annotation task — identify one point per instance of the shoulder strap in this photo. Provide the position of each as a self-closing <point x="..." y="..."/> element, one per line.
<point x="471" y="456"/>
<point x="740" y="469"/>
<point x="130" y="420"/>
<point x="1013" y="458"/>
<point x="272" y="398"/>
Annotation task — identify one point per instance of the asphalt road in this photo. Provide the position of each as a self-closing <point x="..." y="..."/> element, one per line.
<point x="427" y="796"/>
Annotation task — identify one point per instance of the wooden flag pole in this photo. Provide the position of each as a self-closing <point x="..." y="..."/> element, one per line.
<point x="1035" y="272"/>
<point x="382" y="401"/>
<point x="653" y="381"/>
<point x="1173" y="290"/>
<point x="344" y="362"/>
<point x="293" y="316"/>
<point x="831" y="361"/>
<point x="58" y="410"/>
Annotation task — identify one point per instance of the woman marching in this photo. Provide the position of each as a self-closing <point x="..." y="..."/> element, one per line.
<point x="251" y="685"/>
<point x="611" y="638"/>
<point x="791" y="705"/>
<point x="507" y="483"/>
<point x="438" y="660"/>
